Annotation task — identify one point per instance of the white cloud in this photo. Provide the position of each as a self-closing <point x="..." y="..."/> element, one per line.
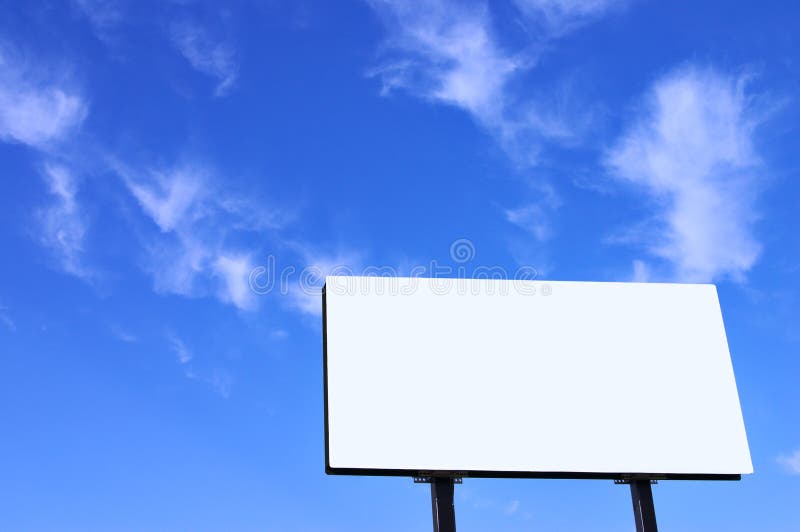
<point x="182" y="353"/>
<point x="35" y="110"/>
<point x="535" y="216"/>
<point x="207" y="54"/>
<point x="103" y="15"/>
<point x="451" y="56"/>
<point x="791" y="462"/>
<point x="691" y="151"/>
<point x="512" y="507"/>
<point x="561" y="16"/>
<point x="305" y="295"/>
<point x="176" y="264"/>
<point x="189" y="255"/>
<point x="219" y="380"/>
<point x="123" y="335"/>
<point x="279" y="334"/>
<point x="235" y="273"/>
<point x="449" y="53"/>
<point x="172" y="200"/>
<point x="63" y="226"/>
<point x="641" y="272"/>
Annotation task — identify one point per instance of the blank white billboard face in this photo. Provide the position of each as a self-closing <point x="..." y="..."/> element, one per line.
<point x="512" y="378"/>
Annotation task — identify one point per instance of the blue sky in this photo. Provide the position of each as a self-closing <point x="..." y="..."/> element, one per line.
<point x="158" y="157"/>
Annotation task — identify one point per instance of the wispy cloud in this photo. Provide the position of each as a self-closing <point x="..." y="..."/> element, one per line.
<point x="449" y="52"/>
<point x="304" y="295"/>
<point x="206" y="53"/>
<point x="512" y="507"/>
<point x="171" y="200"/>
<point x="534" y="217"/>
<point x="182" y="353"/>
<point x="5" y="319"/>
<point x="791" y="462"/>
<point x="189" y="255"/>
<point x="279" y="334"/>
<point x="35" y="108"/>
<point x="234" y="271"/>
<point x="123" y="335"/>
<point x="561" y="16"/>
<point x="63" y="226"/>
<point x="103" y="15"/>
<point x="39" y="109"/>
<point x="221" y="381"/>
<point x="175" y="201"/>
<point x="691" y="151"/>
<point x="487" y="503"/>
<point x="641" y="272"/>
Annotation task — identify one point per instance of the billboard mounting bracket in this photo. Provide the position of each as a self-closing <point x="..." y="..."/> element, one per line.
<point x="426" y="479"/>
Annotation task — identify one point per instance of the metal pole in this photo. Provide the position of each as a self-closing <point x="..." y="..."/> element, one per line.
<point x="444" y="513"/>
<point x="644" y="511"/>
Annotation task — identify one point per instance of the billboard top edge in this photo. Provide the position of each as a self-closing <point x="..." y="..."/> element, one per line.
<point x="485" y="279"/>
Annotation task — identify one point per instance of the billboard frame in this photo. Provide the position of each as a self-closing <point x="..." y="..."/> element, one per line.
<point x="618" y="476"/>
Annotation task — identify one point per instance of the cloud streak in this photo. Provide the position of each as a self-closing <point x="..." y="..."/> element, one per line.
<point x="791" y="462"/>
<point x="63" y="226"/>
<point x="5" y="319"/>
<point x="534" y="217"/>
<point x="103" y="15"/>
<point x="207" y="54"/>
<point x="558" y="17"/>
<point x="219" y="380"/>
<point x="691" y="151"/>
<point x="182" y="353"/>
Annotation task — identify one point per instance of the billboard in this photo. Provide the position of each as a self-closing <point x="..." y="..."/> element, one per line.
<point x="497" y="378"/>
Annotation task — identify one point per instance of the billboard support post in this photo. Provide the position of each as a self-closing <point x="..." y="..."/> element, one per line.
<point x="644" y="511"/>
<point x="444" y="512"/>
